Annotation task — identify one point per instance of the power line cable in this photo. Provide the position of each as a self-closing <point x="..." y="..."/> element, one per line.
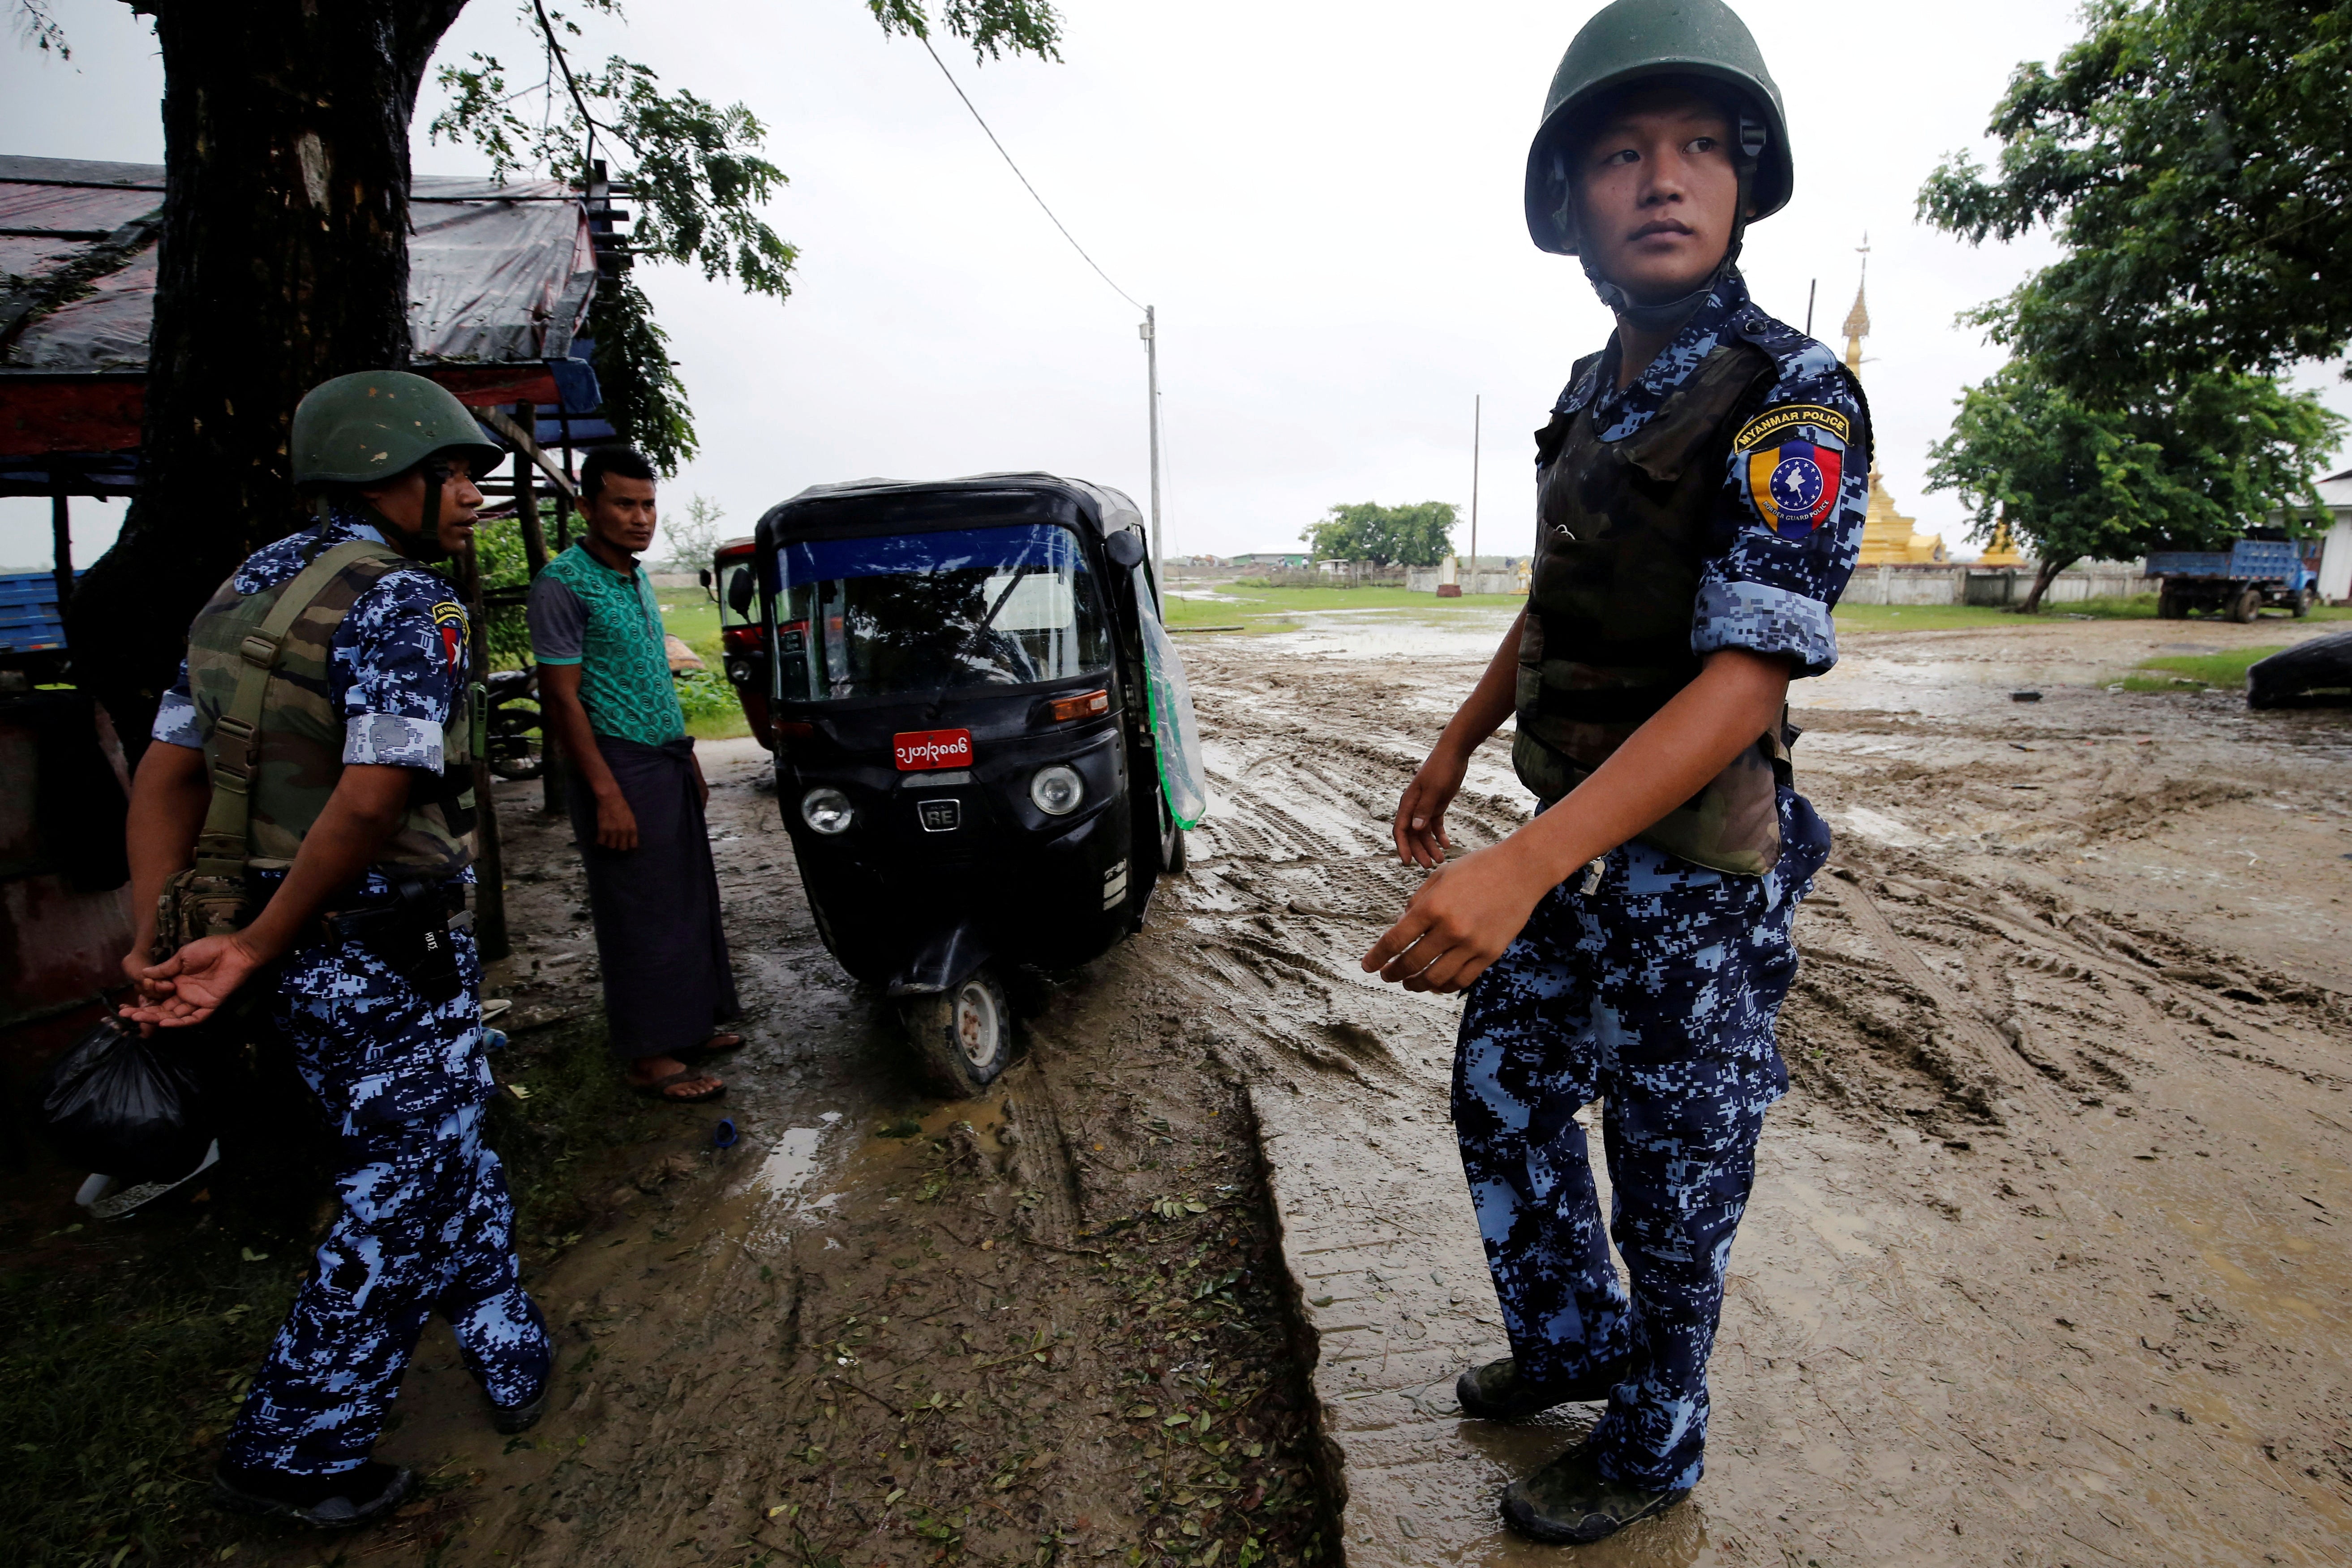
<point x="1024" y="178"/>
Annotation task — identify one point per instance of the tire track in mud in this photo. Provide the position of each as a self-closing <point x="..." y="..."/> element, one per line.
<point x="2024" y="1281"/>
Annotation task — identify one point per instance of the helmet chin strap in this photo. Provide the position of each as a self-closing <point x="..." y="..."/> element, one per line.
<point x="426" y="546"/>
<point x="1670" y="316"/>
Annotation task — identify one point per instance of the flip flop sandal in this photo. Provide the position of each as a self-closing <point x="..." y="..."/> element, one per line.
<point x="654" y="1090"/>
<point x="725" y="1043"/>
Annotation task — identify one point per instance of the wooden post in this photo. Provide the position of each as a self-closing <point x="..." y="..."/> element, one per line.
<point x="535" y="549"/>
<point x="534" y="540"/>
<point x="490" y="865"/>
<point x="61" y="545"/>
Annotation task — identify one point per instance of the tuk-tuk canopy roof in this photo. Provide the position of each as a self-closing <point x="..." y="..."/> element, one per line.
<point x="875" y="504"/>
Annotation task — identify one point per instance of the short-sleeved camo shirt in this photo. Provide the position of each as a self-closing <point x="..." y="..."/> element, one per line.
<point x="1794" y="491"/>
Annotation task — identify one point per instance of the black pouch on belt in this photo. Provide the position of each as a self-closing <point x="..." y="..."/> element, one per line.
<point x="412" y="935"/>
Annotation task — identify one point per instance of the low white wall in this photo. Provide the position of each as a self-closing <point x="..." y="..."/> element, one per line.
<point x="1991" y="586"/>
<point x="1423" y="580"/>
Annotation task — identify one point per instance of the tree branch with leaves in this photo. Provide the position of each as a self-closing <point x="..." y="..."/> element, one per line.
<point x="2077" y="479"/>
<point x="694" y="169"/>
<point x="2193" y="158"/>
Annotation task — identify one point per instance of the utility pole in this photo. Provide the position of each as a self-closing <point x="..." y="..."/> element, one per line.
<point x="1151" y="378"/>
<point x="1477" y="416"/>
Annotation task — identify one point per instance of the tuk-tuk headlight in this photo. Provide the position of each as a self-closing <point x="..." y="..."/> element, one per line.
<point x="827" y="811"/>
<point x="1057" y="791"/>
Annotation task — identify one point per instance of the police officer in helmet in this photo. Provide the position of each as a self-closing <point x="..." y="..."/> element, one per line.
<point x="299" y="845"/>
<point x="1701" y="486"/>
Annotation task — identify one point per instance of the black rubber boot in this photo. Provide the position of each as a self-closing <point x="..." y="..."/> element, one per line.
<point x="1496" y="1392"/>
<point x="339" y="1501"/>
<point x="524" y="1416"/>
<point x="1569" y="1503"/>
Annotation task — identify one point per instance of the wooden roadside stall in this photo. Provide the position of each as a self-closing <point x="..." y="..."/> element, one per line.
<point x="501" y="278"/>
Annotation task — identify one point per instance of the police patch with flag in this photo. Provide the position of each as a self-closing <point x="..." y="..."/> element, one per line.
<point x="1794" y="458"/>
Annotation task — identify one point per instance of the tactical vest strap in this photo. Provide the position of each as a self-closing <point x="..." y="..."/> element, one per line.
<point x="221" y="846"/>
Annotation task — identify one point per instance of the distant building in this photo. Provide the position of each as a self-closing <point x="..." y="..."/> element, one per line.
<point x="1293" y="558"/>
<point x="2336" y="545"/>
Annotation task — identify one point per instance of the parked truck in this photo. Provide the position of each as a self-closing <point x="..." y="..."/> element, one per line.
<point x="2264" y="570"/>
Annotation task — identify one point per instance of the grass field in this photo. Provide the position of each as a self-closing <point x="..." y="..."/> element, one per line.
<point x="712" y="711"/>
<point x="2198" y="671"/>
<point x="1256" y="609"/>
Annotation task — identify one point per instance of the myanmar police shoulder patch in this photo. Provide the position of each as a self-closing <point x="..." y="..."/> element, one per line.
<point x="1789" y="461"/>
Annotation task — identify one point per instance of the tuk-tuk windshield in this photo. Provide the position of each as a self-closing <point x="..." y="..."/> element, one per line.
<point x="911" y="614"/>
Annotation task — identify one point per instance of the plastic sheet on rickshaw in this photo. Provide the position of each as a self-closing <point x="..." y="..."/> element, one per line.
<point x="1175" y="733"/>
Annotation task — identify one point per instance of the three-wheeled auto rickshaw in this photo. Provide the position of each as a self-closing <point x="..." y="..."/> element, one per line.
<point x="734" y="581"/>
<point x="985" y="748"/>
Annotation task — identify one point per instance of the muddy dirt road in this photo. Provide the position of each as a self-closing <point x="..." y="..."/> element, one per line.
<point x="2046" y="1263"/>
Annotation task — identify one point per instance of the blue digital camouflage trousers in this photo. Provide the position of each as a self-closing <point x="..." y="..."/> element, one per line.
<point x="1657" y="991"/>
<point x="427" y="1225"/>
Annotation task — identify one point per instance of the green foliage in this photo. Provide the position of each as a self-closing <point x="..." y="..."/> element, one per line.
<point x="644" y="397"/>
<point x="498" y="546"/>
<point x="992" y="27"/>
<point x="705" y="695"/>
<point x="2189" y="468"/>
<point x="691" y="537"/>
<point x="1366" y="530"/>
<point x="2192" y="156"/>
<point x="37" y="28"/>
<point x="693" y="169"/>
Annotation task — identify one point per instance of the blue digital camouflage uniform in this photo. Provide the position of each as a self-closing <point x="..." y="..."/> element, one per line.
<point x="426" y="1222"/>
<point x="1657" y="988"/>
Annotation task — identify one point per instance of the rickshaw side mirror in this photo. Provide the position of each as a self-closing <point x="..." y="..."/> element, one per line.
<point x="703" y="576"/>
<point x="739" y="593"/>
<point x="1125" y="548"/>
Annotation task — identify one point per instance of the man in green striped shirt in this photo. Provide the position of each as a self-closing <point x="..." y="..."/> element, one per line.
<point x="638" y="792"/>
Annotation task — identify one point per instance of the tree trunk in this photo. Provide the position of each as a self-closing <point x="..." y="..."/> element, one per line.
<point x="283" y="261"/>
<point x="2044" y="574"/>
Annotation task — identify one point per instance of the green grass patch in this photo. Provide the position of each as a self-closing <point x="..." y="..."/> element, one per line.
<point x="2196" y="671"/>
<point x="1920" y="617"/>
<point x="691" y="614"/>
<point x="125" y="1347"/>
<point x="1259" y="609"/>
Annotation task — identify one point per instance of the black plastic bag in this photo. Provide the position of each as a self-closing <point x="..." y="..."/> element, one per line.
<point x="127" y="1107"/>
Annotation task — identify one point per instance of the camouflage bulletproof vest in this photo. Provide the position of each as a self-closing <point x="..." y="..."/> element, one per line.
<point x="1624" y="530"/>
<point x="293" y="762"/>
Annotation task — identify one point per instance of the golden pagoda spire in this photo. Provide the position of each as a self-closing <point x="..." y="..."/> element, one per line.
<point x="1889" y="537"/>
<point x="1857" y="321"/>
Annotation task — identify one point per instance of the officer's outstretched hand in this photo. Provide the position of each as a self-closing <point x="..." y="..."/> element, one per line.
<point x="187" y="987"/>
<point x="1461" y="920"/>
<point x="1420" y="825"/>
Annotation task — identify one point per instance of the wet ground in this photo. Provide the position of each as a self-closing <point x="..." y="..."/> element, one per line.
<point x="2044" y="1264"/>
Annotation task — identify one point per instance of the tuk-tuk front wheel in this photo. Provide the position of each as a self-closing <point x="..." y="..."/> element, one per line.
<point x="964" y="1035"/>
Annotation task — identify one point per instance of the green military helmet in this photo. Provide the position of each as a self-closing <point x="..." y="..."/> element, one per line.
<point x="368" y="427"/>
<point x="1636" y="40"/>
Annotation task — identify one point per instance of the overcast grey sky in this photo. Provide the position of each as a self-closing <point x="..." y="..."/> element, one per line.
<point x="1321" y="199"/>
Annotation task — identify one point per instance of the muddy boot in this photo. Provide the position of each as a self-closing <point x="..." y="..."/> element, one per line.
<point x="1569" y="1502"/>
<point x="337" y="1502"/>
<point x="1496" y="1392"/>
<point x="511" y="1419"/>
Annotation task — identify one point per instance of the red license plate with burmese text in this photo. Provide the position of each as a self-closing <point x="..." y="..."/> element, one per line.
<point x="919" y="750"/>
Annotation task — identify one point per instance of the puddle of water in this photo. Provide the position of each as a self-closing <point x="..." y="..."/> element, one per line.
<point x="1356" y="634"/>
<point x="790" y="1164"/>
<point x="1877" y="826"/>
